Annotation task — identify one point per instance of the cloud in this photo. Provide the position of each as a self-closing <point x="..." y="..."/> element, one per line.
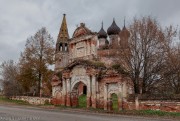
<point x="22" y="18"/>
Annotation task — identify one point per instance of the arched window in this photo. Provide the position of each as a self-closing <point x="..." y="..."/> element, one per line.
<point x="60" y="47"/>
<point x="66" y="47"/>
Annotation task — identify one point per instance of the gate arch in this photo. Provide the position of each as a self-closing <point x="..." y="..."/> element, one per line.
<point x="77" y="97"/>
<point x="76" y="82"/>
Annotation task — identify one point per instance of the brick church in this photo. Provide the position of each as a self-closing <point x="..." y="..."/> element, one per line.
<point x="84" y="64"/>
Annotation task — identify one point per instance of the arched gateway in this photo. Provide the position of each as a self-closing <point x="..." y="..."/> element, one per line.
<point x="70" y="86"/>
<point x="79" y="78"/>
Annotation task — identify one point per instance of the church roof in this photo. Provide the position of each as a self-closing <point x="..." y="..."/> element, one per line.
<point x="102" y="33"/>
<point x="81" y="30"/>
<point x="63" y="33"/>
<point x="124" y="32"/>
<point x="113" y="29"/>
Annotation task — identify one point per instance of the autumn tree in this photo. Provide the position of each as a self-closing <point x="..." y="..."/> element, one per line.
<point x="9" y="72"/>
<point x="36" y="59"/>
<point x="171" y="72"/>
<point x="145" y="54"/>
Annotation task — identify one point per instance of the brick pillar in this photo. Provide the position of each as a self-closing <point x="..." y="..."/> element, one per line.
<point x="119" y="104"/>
<point x="124" y="88"/>
<point x="68" y="97"/>
<point x="93" y="99"/>
<point x="88" y="92"/>
<point x="105" y="97"/>
<point x="125" y="93"/>
<point x="120" y="97"/>
<point x="64" y="92"/>
<point x="109" y="104"/>
<point x="74" y="100"/>
<point x="97" y="95"/>
<point x="137" y="102"/>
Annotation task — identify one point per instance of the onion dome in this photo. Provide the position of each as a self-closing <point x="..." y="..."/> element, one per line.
<point x="124" y="32"/>
<point x="102" y="33"/>
<point x="113" y="29"/>
<point x="82" y="30"/>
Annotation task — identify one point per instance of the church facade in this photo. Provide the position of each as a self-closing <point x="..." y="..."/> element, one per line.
<point x="86" y="65"/>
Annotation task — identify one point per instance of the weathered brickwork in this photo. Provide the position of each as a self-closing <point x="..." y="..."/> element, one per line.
<point x="170" y="106"/>
<point x="33" y="100"/>
<point x="84" y="65"/>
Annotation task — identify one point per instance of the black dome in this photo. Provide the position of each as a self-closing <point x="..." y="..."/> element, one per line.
<point x="102" y="33"/>
<point x="113" y="29"/>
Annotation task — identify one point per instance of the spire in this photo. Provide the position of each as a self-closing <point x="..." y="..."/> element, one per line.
<point x="63" y="33"/>
<point x="102" y="24"/>
<point x="102" y="33"/>
<point x="124" y="22"/>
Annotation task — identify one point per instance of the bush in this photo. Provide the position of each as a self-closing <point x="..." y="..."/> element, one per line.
<point x="47" y="102"/>
<point x="82" y="101"/>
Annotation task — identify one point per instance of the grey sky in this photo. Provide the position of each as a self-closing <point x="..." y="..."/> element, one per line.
<point x="20" y="19"/>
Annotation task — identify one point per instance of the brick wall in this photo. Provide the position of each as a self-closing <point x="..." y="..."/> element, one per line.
<point x="170" y="106"/>
<point x="33" y="100"/>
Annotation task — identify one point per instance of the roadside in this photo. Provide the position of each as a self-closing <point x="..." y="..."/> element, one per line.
<point x="4" y="100"/>
<point x="140" y="113"/>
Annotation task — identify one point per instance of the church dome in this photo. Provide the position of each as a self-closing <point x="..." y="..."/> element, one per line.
<point x="102" y="33"/>
<point x="82" y="30"/>
<point x="113" y="29"/>
<point x="124" y="32"/>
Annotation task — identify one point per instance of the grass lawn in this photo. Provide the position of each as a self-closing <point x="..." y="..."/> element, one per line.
<point x="151" y="113"/>
<point x="158" y="113"/>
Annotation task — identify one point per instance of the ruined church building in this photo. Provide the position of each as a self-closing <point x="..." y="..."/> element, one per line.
<point x="84" y="65"/>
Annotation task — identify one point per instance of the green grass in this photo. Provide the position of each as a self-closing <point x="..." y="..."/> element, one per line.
<point x="82" y="104"/>
<point x="9" y="101"/>
<point x="158" y="113"/>
<point x="150" y="113"/>
<point x="82" y="101"/>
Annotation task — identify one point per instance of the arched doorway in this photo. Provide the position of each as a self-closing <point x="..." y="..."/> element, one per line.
<point x="78" y="95"/>
<point x="114" y="99"/>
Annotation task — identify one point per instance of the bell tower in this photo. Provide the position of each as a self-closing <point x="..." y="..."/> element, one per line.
<point x="62" y="52"/>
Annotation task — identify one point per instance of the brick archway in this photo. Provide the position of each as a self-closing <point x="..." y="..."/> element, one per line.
<point x="71" y="79"/>
<point x="76" y="92"/>
<point x="75" y="83"/>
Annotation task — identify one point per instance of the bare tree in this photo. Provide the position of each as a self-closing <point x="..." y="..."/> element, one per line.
<point x="171" y="72"/>
<point x="9" y="72"/>
<point x="145" y="54"/>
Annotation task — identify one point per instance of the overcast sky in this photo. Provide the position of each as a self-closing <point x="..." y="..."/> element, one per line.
<point x="20" y="19"/>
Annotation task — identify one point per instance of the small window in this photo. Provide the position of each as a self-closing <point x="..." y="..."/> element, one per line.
<point x="60" y="47"/>
<point x="66" y="48"/>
